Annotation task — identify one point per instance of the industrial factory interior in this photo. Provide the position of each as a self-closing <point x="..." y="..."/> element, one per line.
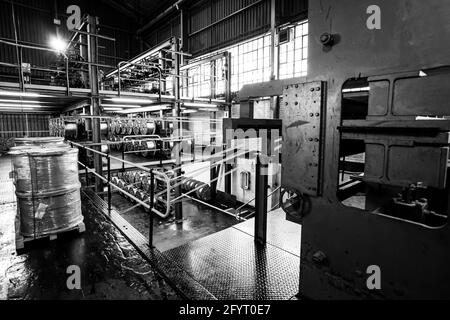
<point x="274" y="151"/>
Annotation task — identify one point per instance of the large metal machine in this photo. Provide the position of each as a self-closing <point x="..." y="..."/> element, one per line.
<point x="366" y="150"/>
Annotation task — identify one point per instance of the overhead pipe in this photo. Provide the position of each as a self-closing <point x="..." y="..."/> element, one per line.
<point x="176" y="6"/>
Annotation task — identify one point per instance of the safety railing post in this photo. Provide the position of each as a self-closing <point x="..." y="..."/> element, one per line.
<point x="86" y="173"/>
<point x="109" y="182"/>
<point x="261" y="202"/>
<point x="152" y="204"/>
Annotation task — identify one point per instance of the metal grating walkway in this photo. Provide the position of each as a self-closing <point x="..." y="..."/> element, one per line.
<point x="228" y="264"/>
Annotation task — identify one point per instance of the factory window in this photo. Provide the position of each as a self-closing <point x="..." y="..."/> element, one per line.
<point x="250" y="62"/>
<point x="293" y="54"/>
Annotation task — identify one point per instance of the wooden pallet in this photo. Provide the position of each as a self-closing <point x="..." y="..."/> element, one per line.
<point x="21" y="240"/>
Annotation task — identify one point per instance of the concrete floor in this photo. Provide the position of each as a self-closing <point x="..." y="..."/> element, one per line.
<point x="111" y="268"/>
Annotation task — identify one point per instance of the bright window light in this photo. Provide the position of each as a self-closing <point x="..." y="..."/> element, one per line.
<point x="58" y="44"/>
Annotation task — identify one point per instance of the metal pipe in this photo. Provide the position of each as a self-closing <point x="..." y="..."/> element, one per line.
<point x="151" y="66"/>
<point x="176" y="5"/>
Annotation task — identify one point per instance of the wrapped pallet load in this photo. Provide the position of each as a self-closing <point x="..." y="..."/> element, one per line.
<point x="47" y="189"/>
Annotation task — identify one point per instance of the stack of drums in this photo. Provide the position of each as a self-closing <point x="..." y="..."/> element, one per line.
<point x="47" y="188"/>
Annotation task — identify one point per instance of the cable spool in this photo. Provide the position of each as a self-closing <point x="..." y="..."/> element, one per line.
<point x="129" y="177"/>
<point x="113" y="125"/>
<point x="129" y="127"/>
<point x="104" y="128"/>
<point x="121" y="184"/>
<point x="149" y="145"/>
<point x="47" y="189"/>
<point x="127" y="145"/>
<point x="137" y="147"/>
<point x="204" y="193"/>
<point x="137" y="127"/>
<point x="115" y="180"/>
<point x="140" y="195"/>
<point x="105" y="147"/>
<point x="118" y="127"/>
<point x="113" y="146"/>
<point x="70" y="130"/>
<point x="119" y="144"/>
<point x="148" y="127"/>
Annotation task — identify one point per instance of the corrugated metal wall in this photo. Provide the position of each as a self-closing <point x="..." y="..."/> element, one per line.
<point x="214" y="24"/>
<point x="217" y="23"/>
<point x="18" y="125"/>
<point x="34" y="21"/>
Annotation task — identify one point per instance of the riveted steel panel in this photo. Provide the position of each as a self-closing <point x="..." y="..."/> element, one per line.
<point x="301" y="112"/>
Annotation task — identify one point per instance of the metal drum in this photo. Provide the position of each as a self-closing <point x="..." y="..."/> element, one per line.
<point x="47" y="189"/>
<point x="46" y="141"/>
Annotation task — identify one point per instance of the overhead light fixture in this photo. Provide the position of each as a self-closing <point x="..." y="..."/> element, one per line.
<point x="58" y="44"/>
<point x="120" y="106"/>
<point x="189" y="111"/>
<point x="130" y="100"/>
<point x="147" y="109"/>
<point x="20" y="94"/>
<point x="113" y="109"/>
<point x="18" y="106"/>
<point x="199" y="105"/>
<point x="19" y="101"/>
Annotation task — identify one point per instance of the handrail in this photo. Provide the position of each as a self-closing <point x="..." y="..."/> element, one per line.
<point x="158" y="175"/>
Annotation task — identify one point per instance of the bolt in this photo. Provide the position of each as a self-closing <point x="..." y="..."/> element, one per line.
<point x="312" y="89"/>
<point x="317" y="114"/>
<point x="311" y="115"/>
<point x="319" y="257"/>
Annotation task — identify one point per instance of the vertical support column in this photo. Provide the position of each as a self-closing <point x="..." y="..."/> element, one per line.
<point x="261" y="202"/>
<point x="95" y="101"/>
<point x="273" y="32"/>
<point x="228" y="167"/>
<point x="177" y="129"/>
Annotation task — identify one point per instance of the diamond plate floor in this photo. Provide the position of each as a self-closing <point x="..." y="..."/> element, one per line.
<point x="232" y="267"/>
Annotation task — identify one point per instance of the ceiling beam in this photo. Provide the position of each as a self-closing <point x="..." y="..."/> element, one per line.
<point x="124" y="9"/>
